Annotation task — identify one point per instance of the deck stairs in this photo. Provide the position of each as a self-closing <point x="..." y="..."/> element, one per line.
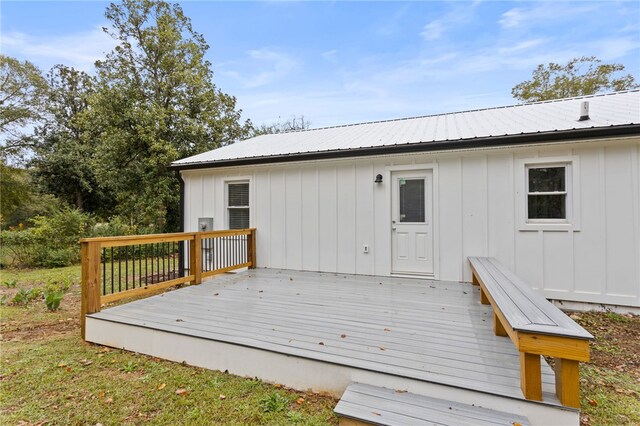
<point x="363" y="404"/>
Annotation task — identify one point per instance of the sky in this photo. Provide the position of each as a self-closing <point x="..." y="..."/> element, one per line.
<point x="347" y="62"/>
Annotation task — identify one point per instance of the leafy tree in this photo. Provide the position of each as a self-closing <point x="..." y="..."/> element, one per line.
<point x="19" y="198"/>
<point x="64" y="161"/>
<point x="22" y="89"/>
<point x="580" y="76"/>
<point x="155" y="102"/>
<point x="290" y="125"/>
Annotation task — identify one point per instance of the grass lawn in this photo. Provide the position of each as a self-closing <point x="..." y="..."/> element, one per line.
<point x="48" y="375"/>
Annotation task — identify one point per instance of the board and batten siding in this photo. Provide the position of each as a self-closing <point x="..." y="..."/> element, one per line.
<point x="319" y="215"/>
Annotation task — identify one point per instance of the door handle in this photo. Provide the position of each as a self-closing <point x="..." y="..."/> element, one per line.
<point x="393" y="228"/>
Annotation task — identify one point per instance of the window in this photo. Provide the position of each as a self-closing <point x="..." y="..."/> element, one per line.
<point x="547" y="192"/>
<point x="412" y="200"/>
<point x="238" y="205"/>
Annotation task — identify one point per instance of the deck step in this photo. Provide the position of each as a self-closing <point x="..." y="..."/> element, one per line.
<point x="365" y="404"/>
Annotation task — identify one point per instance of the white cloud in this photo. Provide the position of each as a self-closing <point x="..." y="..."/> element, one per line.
<point x="543" y="13"/>
<point x="79" y="50"/>
<point x="449" y="21"/>
<point x="512" y="18"/>
<point x="433" y="30"/>
<point x="272" y="64"/>
<point x="330" y="55"/>
<point x="521" y="46"/>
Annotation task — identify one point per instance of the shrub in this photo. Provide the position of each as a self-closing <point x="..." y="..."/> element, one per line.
<point x="10" y="284"/>
<point x="274" y="403"/>
<point x="61" y="284"/>
<point x="52" y="299"/>
<point x="56" y="258"/>
<point x="24" y="297"/>
<point x="52" y="241"/>
<point x="20" y="245"/>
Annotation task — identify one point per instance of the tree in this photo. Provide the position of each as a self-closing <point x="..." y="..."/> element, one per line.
<point x="290" y="125"/>
<point x="19" y="198"/>
<point x="155" y="102"/>
<point x="65" y="144"/>
<point x="22" y="90"/>
<point x="578" y="77"/>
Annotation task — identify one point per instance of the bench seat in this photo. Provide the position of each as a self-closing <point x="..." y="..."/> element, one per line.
<point x="536" y="327"/>
<point x="366" y="404"/>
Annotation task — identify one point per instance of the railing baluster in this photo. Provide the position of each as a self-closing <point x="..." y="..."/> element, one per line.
<point x="146" y="264"/>
<point x="205" y="261"/>
<point x="126" y="267"/>
<point x="103" y="259"/>
<point x="119" y="268"/>
<point x="172" y="259"/>
<point x="152" y="254"/>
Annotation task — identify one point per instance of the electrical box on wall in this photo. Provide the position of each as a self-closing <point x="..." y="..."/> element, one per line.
<point x="205" y="224"/>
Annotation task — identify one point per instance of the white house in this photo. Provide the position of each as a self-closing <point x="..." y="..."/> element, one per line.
<point x="551" y="189"/>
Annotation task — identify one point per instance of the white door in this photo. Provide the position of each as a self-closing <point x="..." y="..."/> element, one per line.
<point x="411" y="222"/>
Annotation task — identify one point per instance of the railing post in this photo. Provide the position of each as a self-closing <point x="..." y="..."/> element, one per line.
<point x="251" y="248"/>
<point x="195" y="258"/>
<point x="90" y="286"/>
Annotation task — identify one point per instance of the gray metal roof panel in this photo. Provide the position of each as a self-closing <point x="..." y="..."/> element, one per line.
<point x="614" y="109"/>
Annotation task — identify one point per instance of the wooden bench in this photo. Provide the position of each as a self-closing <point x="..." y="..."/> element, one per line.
<point x="536" y="327"/>
<point x="371" y="405"/>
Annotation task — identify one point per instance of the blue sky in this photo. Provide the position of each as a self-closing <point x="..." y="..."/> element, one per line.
<point x="344" y="62"/>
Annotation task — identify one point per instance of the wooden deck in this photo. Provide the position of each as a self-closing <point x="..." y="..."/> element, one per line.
<point x="413" y="332"/>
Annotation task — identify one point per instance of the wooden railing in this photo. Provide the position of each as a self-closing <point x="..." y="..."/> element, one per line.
<point x="116" y="268"/>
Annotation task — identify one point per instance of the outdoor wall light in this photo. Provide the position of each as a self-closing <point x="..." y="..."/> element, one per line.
<point x="378" y="179"/>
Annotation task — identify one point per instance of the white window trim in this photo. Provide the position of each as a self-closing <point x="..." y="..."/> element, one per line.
<point x="572" y="187"/>
<point x="226" y="199"/>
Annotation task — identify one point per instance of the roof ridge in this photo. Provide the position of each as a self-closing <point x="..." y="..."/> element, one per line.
<point x="595" y="95"/>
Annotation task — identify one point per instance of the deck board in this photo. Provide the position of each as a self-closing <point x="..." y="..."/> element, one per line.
<point x="428" y="330"/>
<point x="387" y="406"/>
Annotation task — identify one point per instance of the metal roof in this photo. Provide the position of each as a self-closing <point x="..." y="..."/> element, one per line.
<point x="606" y="111"/>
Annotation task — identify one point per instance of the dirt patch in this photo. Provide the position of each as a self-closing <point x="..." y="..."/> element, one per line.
<point x="617" y="340"/>
<point x="34" y="322"/>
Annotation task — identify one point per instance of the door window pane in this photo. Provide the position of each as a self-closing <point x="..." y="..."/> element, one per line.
<point x="412" y="202"/>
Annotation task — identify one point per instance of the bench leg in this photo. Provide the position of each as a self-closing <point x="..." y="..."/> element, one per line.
<point x="483" y="297"/>
<point x="567" y="382"/>
<point x="530" y="376"/>
<point x="474" y="279"/>
<point x="498" y="328"/>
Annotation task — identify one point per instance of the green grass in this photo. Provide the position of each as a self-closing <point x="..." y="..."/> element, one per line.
<point x="29" y="277"/>
<point x="609" y="397"/>
<point x="67" y="381"/>
<point x="49" y="375"/>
